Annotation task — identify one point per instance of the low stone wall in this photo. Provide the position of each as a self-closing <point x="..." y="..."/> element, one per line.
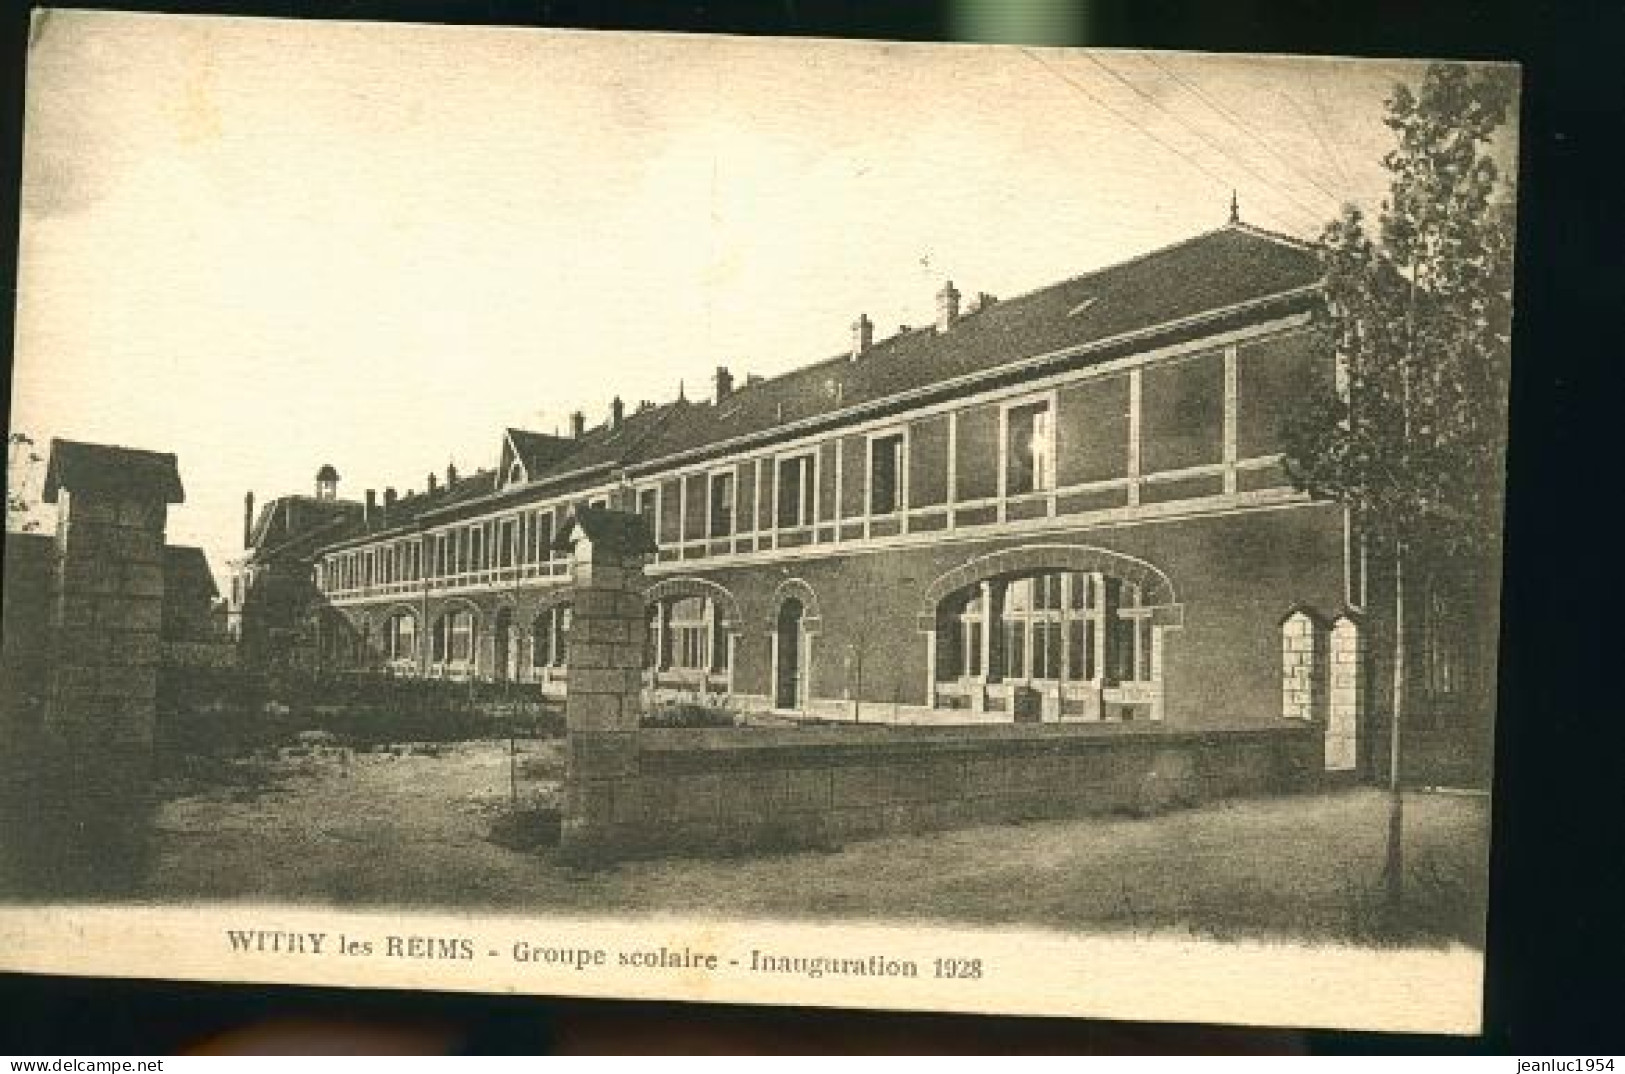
<point x="755" y="788"/>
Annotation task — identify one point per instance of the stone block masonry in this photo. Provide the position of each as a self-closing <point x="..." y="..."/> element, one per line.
<point x="104" y="620"/>
<point x="772" y="789"/>
<point x="603" y="705"/>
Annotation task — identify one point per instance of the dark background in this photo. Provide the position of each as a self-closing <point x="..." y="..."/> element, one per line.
<point x="1556" y="957"/>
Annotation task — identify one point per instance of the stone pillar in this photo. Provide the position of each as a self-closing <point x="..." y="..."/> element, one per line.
<point x="603" y="705"/>
<point x="105" y="620"/>
<point x="1347" y="706"/>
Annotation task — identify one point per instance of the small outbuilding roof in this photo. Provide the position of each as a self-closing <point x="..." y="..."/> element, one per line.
<point x="77" y="466"/>
<point x="616" y="531"/>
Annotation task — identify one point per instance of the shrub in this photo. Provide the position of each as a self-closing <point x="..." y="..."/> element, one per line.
<point x="690" y="714"/>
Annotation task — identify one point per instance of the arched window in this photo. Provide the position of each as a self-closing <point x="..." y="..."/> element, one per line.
<point x="1084" y="639"/>
<point x="688" y="634"/>
<point x="453" y="638"/>
<point x="401" y="638"/>
<point x="1049" y="626"/>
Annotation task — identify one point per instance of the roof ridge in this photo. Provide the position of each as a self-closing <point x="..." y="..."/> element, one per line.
<point x="1191" y="240"/>
<point x="1277" y="236"/>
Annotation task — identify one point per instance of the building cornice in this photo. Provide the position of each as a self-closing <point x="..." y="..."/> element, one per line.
<point x="970" y="383"/>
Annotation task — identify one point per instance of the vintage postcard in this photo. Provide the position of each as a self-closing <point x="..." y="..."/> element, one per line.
<point x="972" y="528"/>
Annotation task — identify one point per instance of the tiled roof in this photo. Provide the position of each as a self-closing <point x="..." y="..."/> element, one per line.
<point x="537" y="451"/>
<point x="1220" y="270"/>
<point x="1214" y="271"/>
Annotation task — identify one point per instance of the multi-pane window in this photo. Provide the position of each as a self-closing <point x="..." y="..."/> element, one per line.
<point x="1031" y="624"/>
<point x="1129" y="652"/>
<point x="686" y="634"/>
<point x="1029" y="449"/>
<point x="691" y="633"/>
<point x="722" y="504"/>
<point x="885" y="474"/>
<point x="1077" y="626"/>
<point x="796" y="492"/>
<point x="1086" y="611"/>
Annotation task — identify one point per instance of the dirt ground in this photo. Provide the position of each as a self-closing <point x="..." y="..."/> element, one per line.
<point x="412" y="827"/>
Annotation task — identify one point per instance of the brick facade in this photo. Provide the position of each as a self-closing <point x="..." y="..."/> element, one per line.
<point x="1025" y="513"/>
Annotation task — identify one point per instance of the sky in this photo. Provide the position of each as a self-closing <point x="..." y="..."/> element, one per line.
<point x="268" y="245"/>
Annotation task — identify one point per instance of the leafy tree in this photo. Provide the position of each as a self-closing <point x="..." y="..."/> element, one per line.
<point x="1412" y="436"/>
<point x="21" y="462"/>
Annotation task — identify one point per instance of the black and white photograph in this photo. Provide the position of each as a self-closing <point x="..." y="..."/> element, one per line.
<point x="946" y="527"/>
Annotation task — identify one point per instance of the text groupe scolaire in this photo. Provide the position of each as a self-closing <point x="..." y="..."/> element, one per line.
<point x="585" y="958"/>
<point x="554" y="955"/>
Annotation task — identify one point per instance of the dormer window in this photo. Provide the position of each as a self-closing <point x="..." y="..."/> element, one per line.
<point x="516" y="473"/>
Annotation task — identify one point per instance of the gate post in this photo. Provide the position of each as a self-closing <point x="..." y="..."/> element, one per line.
<point x="603" y="701"/>
<point x="105" y="620"/>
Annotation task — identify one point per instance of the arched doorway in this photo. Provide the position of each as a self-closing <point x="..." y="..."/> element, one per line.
<point x="789" y="675"/>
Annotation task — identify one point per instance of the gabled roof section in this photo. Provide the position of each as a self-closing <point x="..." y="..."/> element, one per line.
<point x="286" y="517"/>
<point x="534" y="452"/>
<point x="77" y="466"/>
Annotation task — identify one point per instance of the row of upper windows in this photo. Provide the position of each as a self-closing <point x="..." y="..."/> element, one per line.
<point x="1208" y="410"/>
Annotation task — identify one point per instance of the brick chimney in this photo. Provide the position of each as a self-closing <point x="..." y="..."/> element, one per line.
<point x="863" y="336"/>
<point x="389" y="503"/>
<point x="617" y="412"/>
<point x="725" y="383"/>
<point x="248" y="518"/>
<point x="578" y="425"/>
<point x="369" y="513"/>
<point x="947" y="306"/>
<point x="451" y="474"/>
<point x="433" y="483"/>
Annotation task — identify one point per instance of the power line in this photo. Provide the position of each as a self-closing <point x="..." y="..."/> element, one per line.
<point x="1240" y="124"/>
<point x="1313" y="212"/>
<point x="1135" y="124"/>
<point x="1320" y="106"/>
